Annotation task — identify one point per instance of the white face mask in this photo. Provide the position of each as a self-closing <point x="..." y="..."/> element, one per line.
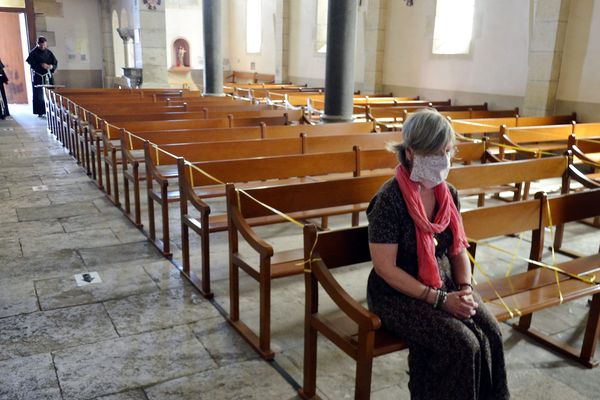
<point x="430" y="170"/>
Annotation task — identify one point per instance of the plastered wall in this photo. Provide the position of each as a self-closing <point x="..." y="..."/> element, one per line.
<point x="496" y="68"/>
<point x="239" y="58"/>
<point x="78" y="43"/>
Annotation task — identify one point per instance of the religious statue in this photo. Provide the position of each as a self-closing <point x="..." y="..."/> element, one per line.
<point x="180" y="54"/>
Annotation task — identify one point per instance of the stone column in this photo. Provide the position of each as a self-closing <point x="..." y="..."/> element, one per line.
<point x="153" y="41"/>
<point x="339" y="65"/>
<point x="213" y="59"/>
<point x="107" y="49"/>
<point x="375" y="22"/>
<point x="282" y="39"/>
<point x="547" y="39"/>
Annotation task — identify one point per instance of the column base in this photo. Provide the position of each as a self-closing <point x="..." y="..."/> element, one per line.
<point x="214" y="94"/>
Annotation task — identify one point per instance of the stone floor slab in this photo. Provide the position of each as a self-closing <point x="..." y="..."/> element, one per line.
<point x="29" y="229"/>
<point x="140" y="251"/>
<point x="223" y="343"/>
<point x="29" y="378"/>
<point x="246" y="380"/>
<point x="116" y="283"/>
<point x="10" y="247"/>
<point x="45" y="331"/>
<point x="132" y="362"/>
<point x="56" y="211"/>
<point x="17" y="297"/>
<point x="129" y="395"/>
<point x="41" y="266"/>
<point x="159" y="310"/>
<point x="76" y="240"/>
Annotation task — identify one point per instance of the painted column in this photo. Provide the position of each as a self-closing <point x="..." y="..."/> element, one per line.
<point x="339" y="66"/>
<point x="213" y="59"/>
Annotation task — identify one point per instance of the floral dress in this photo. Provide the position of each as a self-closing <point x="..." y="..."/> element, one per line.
<point x="449" y="358"/>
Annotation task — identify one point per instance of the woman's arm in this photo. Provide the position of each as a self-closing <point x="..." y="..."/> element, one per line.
<point x="461" y="268"/>
<point x="384" y="262"/>
<point x="460" y="304"/>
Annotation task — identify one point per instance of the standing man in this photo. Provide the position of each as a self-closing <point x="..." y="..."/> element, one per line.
<point x="3" y="101"/>
<point x="43" y="64"/>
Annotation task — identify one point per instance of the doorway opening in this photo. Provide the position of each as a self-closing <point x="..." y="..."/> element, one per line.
<point x="13" y="52"/>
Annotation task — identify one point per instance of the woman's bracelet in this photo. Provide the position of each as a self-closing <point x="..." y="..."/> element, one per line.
<point x="440" y="298"/>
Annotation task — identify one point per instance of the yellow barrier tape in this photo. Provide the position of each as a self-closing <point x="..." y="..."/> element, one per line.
<point x="523" y="149"/>
<point x="209" y="176"/>
<point x="310" y="257"/>
<point x="489" y="281"/>
<point x="274" y="210"/>
<point x="191" y="174"/>
<point x="560" y="295"/>
<point x="514" y="256"/>
<point x="591" y="281"/>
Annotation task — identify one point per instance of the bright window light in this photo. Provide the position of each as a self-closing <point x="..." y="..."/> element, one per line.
<point x="453" y="26"/>
<point x="253" y="26"/>
<point x="321" y="26"/>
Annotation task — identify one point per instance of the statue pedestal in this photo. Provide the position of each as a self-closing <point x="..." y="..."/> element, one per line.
<point x="181" y="77"/>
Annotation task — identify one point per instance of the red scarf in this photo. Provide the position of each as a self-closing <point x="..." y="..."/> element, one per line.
<point x="447" y="214"/>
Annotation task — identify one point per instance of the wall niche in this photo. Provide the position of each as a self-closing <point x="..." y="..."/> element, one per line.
<point x="180" y="51"/>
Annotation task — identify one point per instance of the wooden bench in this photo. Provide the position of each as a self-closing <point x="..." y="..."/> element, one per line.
<point x="537" y="289"/>
<point x="166" y="155"/>
<point x="131" y="144"/>
<point x="511" y="176"/>
<point x="300" y="201"/>
<point x="358" y="332"/>
<point x="253" y="77"/>
<point x="111" y="141"/>
<point x="195" y="187"/>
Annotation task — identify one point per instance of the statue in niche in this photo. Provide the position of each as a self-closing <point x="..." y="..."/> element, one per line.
<point x="180" y="56"/>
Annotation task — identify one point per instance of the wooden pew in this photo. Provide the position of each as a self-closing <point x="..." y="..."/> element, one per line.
<point x="300" y="201"/>
<point x="131" y="144"/>
<point x="195" y="186"/>
<point x="534" y="139"/>
<point x="507" y="176"/>
<point x="156" y="156"/>
<point x="253" y="77"/>
<point x="111" y="141"/>
<point x="537" y="289"/>
<point x="358" y="332"/>
<point x="585" y="152"/>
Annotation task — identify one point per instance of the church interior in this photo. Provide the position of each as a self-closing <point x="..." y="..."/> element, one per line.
<point x="186" y="215"/>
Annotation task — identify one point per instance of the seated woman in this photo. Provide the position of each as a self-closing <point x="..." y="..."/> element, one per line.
<point x="420" y="286"/>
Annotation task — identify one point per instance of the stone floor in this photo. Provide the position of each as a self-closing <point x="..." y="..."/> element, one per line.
<point x="144" y="333"/>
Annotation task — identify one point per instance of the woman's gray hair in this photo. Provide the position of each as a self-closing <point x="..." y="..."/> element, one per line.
<point x="425" y="131"/>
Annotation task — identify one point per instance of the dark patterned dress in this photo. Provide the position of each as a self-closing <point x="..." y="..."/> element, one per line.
<point x="449" y="358"/>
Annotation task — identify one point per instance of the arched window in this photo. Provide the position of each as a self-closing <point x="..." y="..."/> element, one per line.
<point x="453" y="26"/>
<point x="321" y="37"/>
<point x="253" y="26"/>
